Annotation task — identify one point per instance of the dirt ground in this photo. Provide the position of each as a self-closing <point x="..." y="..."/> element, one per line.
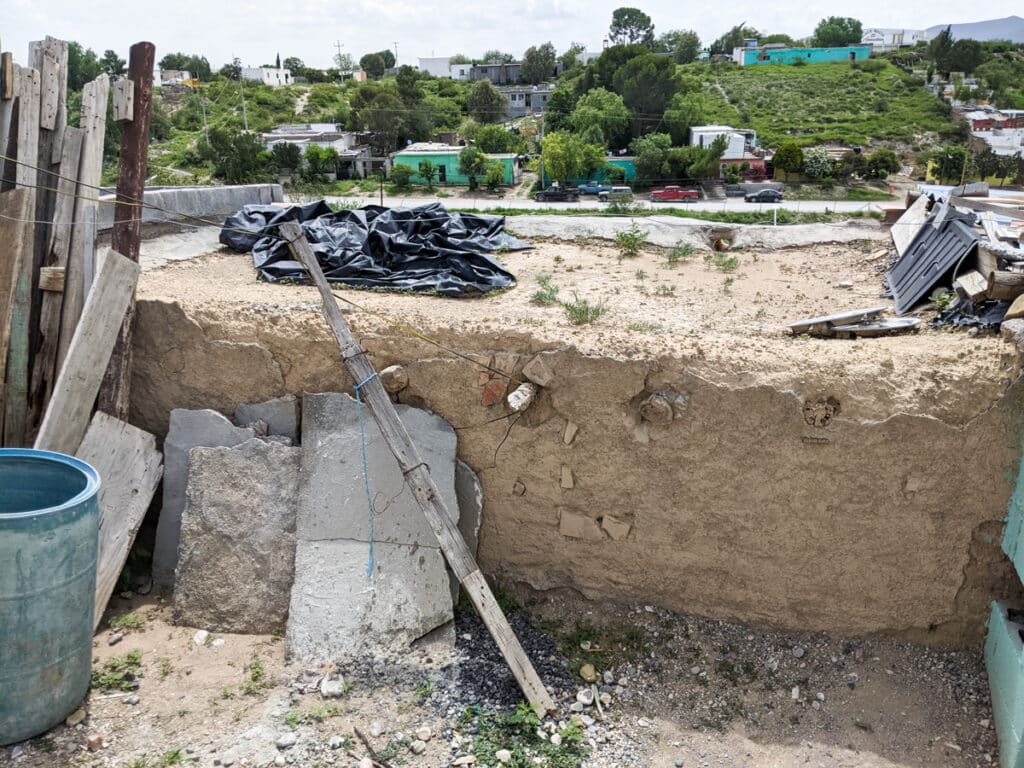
<point x="688" y="692"/>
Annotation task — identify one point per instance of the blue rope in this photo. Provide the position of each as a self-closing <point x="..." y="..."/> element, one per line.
<point x="366" y="469"/>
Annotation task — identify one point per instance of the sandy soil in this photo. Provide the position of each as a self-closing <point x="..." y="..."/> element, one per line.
<point x="725" y="313"/>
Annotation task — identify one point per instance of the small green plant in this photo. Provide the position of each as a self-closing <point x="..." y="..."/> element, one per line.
<point x="558" y="259"/>
<point x="727" y="284"/>
<point x="164" y="666"/>
<point x="644" y="327"/>
<point x="293" y="718"/>
<point x="395" y="748"/>
<point x="665" y="290"/>
<point x="640" y="274"/>
<point x="516" y="731"/>
<point x="172" y="757"/>
<point x="128" y="621"/>
<point x="227" y="693"/>
<point x="255" y="677"/>
<point x="582" y="311"/>
<point x="118" y="673"/>
<point x="547" y="293"/>
<point x="424" y="691"/>
<point x="864" y="726"/>
<point x="630" y="241"/>
<point x="680" y="252"/>
<point x="722" y="262"/>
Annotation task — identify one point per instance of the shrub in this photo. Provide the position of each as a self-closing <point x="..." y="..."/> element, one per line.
<point x="547" y="293"/>
<point x="401" y="175"/>
<point x="582" y="312"/>
<point x="629" y="241"/>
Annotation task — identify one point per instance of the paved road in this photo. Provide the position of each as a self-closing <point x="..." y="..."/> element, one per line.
<point x="484" y="203"/>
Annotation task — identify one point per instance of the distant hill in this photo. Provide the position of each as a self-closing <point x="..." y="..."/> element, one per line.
<point x="1011" y="28"/>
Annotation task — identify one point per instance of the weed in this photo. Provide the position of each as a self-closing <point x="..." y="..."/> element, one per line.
<point x="722" y="262"/>
<point x="630" y="241"/>
<point x="293" y="718"/>
<point x="43" y="744"/>
<point x="516" y="731"/>
<point x="761" y="314"/>
<point x="680" y="252"/>
<point x="727" y="284"/>
<point x="424" y="691"/>
<point x="558" y="259"/>
<point x="255" y="677"/>
<point x="118" y="673"/>
<point x="640" y="274"/>
<point x="582" y="312"/>
<point x="548" y="292"/>
<point x="227" y="693"/>
<point x="393" y="749"/>
<point x="864" y="726"/>
<point x="645" y="327"/>
<point x="164" y="665"/>
<point x="172" y="757"/>
<point x="665" y="290"/>
<point x="128" y="621"/>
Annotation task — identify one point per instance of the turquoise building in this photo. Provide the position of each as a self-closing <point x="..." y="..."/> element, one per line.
<point x="771" y="55"/>
<point x="446" y="160"/>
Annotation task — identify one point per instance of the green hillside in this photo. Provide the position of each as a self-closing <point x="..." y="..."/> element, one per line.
<point x="814" y="103"/>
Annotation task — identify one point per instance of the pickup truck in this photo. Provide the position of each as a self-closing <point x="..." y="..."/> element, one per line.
<point x="593" y="188"/>
<point x="673" y="193"/>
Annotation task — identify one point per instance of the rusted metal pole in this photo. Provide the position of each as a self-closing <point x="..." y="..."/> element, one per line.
<point x="131" y="185"/>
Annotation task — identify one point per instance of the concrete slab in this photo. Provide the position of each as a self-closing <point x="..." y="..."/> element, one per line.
<point x="332" y="500"/>
<point x="236" y="556"/>
<point x="469" y="493"/>
<point x="280" y="414"/>
<point x="187" y="430"/>
<point x="337" y="613"/>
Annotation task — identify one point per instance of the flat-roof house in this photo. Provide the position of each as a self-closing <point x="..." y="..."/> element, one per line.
<point x="445" y="158"/>
<point x="497" y="72"/>
<point x="885" y="39"/>
<point x="526" y="100"/>
<point x="437" y="66"/>
<point x="268" y="75"/>
<point x="770" y="54"/>
<point x="354" y="153"/>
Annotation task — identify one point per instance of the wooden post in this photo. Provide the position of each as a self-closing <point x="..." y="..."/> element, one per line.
<point x="131" y="186"/>
<point x="16" y="208"/>
<point x="418" y="478"/>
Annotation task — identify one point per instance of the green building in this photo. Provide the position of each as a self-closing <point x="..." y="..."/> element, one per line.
<point x="768" y="54"/>
<point x="445" y="158"/>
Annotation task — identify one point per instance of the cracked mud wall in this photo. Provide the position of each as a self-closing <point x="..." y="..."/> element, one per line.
<point x="800" y="505"/>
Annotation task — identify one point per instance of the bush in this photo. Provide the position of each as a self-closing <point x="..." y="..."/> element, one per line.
<point x="630" y="241"/>
<point x="401" y="175"/>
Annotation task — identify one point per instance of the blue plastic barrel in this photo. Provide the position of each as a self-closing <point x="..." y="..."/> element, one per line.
<point x="49" y="528"/>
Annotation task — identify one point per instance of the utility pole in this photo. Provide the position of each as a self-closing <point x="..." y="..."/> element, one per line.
<point x="337" y="45"/>
<point x="241" y="87"/>
<point x="541" y="143"/>
<point x="396" y="53"/>
<point x="202" y="104"/>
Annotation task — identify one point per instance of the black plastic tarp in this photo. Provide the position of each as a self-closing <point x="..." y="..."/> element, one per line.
<point x="426" y="249"/>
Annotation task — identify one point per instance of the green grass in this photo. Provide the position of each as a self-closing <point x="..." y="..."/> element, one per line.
<point x="582" y="311"/>
<point x="818" y="103"/>
<point x="118" y="673"/>
<point x="609" y="646"/>
<point x="516" y="731"/>
<point x="128" y="621"/>
<point x="679" y="252"/>
<point x="629" y="241"/>
<point x="866" y="194"/>
<point x="547" y="294"/>
<point x="784" y="215"/>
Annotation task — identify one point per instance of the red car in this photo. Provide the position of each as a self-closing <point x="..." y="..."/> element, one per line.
<point x="673" y="193"/>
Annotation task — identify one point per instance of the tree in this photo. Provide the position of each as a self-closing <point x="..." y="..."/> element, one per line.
<point x="687" y="47"/>
<point x="320" y="161"/>
<point x="287" y="155"/>
<point x="538" y="64"/>
<point x="345" y="63"/>
<point x="492" y="139"/>
<point x="561" y="103"/>
<point x="389" y="58"/>
<point x="232" y="71"/>
<point x="428" y="171"/>
<point x="495" y="175"/>
<point x="113" y="64"/>
<point x="685" y="111"/>
<point x="837" y="31"/>
<point x="460" y="58"/>
<point x="408" y="82"/>
<point x="881" y="163"/>
<point x="939" y="49"/>
<point x="401" y="175"/>
<point x="485" y="103"/>
<point x="789" y="158"/>
<point x="631" y="25"/>
<point x="646" y="84"/>
<point x="607" y="111"/>
<point x="197" y="66"/>
<point x="779" y="37"/>
<point x="570" y="60"/>
<point x="852" y="164"/>
<point x="732" y="39"/>
<point x="965" y="56"/>
<point x="373" y="65"/>
<point x="498" y="57"/>
<point x="238" y="157"/>
<point x="294" y="64"/>
<point x="472" y="164"/>
<point x="567" y="157"/>
<point x="83" y="66"/>
<point x="610" y="61"/>
<point x="818" y="163"/>
<point x="950" y="163"/>
<point x="650" y="157"/>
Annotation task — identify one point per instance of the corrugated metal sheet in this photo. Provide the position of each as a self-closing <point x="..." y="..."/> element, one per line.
<point x="941" y="242"/>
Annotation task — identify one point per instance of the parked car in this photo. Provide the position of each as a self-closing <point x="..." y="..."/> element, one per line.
<point x="615" y="194"/>
<point x="764" y="196"/>
<point x="673" y="193"/>
<point x="557" y="194"/>
<point x="593" y="188"/>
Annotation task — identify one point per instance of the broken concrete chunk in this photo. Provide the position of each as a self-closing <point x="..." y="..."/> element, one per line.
<point x="570" y="433"/>
<point x="469" y="494"/>
<point x="578" y="526"/>
<point x="281" y="415"/>
<point x="656" y="409"/>
<point x="337" y="613"/>
<point x="237" y="552"/>
<point x="332" y="499"/>
<point x="539" y="372"/>
<point x="187" y="430"/>
<point x="566" y="479"/>
<point x="615" y="527"/>
<point x="394" y="378"/>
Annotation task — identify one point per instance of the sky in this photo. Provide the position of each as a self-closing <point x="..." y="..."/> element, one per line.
<point x="256" y="31"/>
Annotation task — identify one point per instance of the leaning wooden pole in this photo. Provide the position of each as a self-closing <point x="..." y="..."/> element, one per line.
<point x="417" y="477"/>
<point x="133" y="105"/>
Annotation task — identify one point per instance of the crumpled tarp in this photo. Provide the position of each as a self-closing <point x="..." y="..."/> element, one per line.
<point x="426" y="249"/>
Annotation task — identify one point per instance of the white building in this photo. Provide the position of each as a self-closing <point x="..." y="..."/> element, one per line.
<point x="740" y="141"/>
<point x="267" y="75"/>
<point x="881" y="39"/>
<point x="436" y="66"/>
<point x="459" y="71"/>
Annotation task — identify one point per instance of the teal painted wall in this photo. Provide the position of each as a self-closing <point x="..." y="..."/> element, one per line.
<point x="1013" y="534"/>
<point x="1004" y="661"/>
<point x="809" y="55"/>
<point x="451" y="163"/>
<point x="626" y="163"/>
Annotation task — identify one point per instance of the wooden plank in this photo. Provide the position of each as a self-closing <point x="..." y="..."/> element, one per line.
<point x="67" y="415"/>
<point x="44" y="366"/>
<point x="93" y="122"/>
<point x="8" y="132"/>
<point x="49" y="85"/>
<point x="60" y="49"/>
<point x="51" y="279"/>
<point x="1004" y="285"/>
<point x="7" y="84"/>
<point x="906" y="228"/>
<point x="976" y="204"/>
<point x="127" y="232"/>
<point x="971" y="285"/>
<point x="130" y="468"/>
<point x="123" y="95"/>
<point x="16" y="207"/>
<point x="16" y="403"/>
<point x="421" y="484"/>
<point x="988" y="223"/>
